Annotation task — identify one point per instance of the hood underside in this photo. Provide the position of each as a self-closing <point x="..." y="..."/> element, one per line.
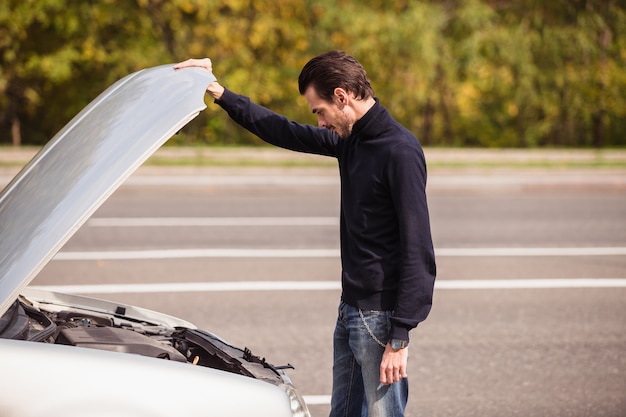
<point x="83" y="164"/>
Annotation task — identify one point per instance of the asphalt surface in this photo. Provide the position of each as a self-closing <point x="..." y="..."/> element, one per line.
<point x="522" y="324"/>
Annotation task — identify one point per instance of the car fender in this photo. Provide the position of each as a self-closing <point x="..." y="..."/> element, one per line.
<point x="100" y="383"/>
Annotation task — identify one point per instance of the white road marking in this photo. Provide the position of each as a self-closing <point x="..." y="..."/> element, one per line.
<point x="324" y="253"/>
<point x="521" y="180"/>
<point x="434" y="181"/>
<point x="526" y="284"/>
<point x="236" y="286"/>
<point x="546" y="251"/>
<point x="197" y="253"/>
<point x="317" y="399"/>
<point x="231" y="180"/>
<point x="171" y="287"/>
<point x="211" y="221"/>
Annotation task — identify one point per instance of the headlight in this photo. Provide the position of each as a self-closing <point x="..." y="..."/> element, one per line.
<point x="298" y="406"/>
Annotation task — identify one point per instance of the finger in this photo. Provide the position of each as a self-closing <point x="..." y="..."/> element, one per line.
<point x="188" y="63"/>
<point x="386" y="376"/>
<point x="205" y="63"/>
<point x="184" y="64"/>
<point x="390" y="376"/>
<point x="191" y="62"/>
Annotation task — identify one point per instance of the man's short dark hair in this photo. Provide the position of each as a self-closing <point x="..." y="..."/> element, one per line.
<point x="332" y="70"/>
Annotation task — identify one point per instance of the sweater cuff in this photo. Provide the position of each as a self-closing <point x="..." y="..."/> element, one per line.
<point x="227" y="97"/>
<point x="401" y="333"/>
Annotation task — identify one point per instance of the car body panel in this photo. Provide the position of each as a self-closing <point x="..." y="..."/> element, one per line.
<point x="99" y="383"/>
<point x="85" y="162"/>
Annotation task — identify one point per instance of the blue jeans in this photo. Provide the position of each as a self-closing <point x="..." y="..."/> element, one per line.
<point x="357" y="391"/>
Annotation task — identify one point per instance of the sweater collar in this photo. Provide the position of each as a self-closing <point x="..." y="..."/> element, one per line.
<point x="373" y="123"/>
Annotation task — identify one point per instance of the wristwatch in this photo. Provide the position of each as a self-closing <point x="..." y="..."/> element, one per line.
<point x="397" y="344"/>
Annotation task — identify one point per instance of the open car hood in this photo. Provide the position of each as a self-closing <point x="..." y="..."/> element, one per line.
<point x="83" y="164"/>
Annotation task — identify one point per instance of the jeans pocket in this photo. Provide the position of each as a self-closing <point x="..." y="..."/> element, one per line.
<point x="377" y="324"/>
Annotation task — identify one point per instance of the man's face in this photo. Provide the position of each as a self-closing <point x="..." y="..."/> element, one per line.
<point x="331" y="115"/>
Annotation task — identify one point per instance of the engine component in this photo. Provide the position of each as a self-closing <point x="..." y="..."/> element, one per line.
<point x="117" y="340"/>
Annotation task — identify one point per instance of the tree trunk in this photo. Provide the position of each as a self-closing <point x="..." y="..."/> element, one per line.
<point x="427" y="128"/>
<point x="605" y="38"/>
<point x="16" y="131"/>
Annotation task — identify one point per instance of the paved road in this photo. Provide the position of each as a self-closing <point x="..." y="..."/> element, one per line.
<point x="523" y="324"/>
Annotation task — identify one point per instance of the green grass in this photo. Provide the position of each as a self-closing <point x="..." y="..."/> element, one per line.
<point x="441" y="158"/>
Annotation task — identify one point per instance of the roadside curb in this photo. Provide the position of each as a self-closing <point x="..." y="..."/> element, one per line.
<point x="448" y="169"/>
<point x="24" y="154"/>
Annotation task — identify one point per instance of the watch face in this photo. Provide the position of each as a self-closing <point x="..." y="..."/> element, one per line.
<point x="399" y="344"/>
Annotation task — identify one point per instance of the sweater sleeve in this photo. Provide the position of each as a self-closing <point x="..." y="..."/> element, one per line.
<point x="276" y="129"/>
<point x="407" y="176"/>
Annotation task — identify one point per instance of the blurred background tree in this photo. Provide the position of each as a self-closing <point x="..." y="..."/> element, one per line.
<point x="488" y="73"/>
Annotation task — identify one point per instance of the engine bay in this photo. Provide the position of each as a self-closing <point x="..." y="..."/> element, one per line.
<point x="82" y="328"/>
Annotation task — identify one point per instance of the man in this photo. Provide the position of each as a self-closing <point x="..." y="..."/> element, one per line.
<point x="388" y="263"/>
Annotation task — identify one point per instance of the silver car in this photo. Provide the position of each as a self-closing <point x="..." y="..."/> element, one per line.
<point x="61" y="354"/>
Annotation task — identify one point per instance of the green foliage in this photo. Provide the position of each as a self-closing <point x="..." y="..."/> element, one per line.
<point x="485" y="73"/>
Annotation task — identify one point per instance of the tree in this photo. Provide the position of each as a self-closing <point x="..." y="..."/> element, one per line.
<point x="456" y="72"/>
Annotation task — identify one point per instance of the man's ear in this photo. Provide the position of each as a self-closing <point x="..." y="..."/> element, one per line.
<point x="341" y="96"/>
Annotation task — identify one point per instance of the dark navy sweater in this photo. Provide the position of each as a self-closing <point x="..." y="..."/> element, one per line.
<point x="387" y="256"/>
